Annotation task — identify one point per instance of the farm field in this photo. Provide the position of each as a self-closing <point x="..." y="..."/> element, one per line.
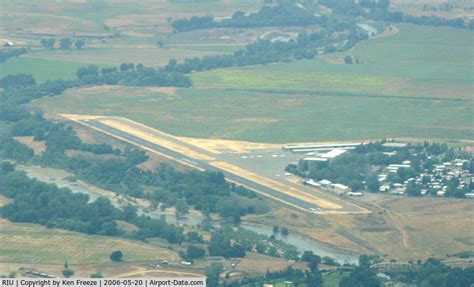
<point x="41" y="69"/>
<point x="396" y="65"/>
<point x="115" y="32"/>
<point x="271" y="117"/>
<point x="31" y="243"/>
<point x="56" y="64"/>
<point x="150" y="55"/>
<point x="97" y="18"/>
<point x="416" y="8"/>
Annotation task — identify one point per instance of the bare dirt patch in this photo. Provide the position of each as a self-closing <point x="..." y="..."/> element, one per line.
<point x="257" y="263"/>
<point x="165" y="90"/>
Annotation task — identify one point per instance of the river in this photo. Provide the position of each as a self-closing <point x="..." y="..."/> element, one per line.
<point x="302" y="243"/>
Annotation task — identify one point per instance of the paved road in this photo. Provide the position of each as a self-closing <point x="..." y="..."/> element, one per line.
<point x="201" y="164"/>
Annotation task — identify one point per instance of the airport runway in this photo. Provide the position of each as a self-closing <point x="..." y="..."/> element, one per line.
<point x="346" y="207"/>
<point x="201" y="164"/>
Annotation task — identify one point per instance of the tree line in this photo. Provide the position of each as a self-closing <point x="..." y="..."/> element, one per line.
<point x="305" y="46"/>
<point x="21" y="88"/>
<point x="64" y="43"/>
<point x="378" y="10"/>
<point x="46" y="204"/>
<point x="11" y="53"/>
<point x="280" y="15"/>
<point x="205" y="191"/>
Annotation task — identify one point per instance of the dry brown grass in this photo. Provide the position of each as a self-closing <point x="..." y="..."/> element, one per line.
<point x="37" y="146"/>
<point x="258" y="263"/>
<point x="32" y="243"/>
<point x="405" y="228"/>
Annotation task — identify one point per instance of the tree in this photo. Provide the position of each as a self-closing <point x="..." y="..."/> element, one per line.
<point x="284" y="231"/>
<point x="194" y="252"/>
<point x="68" y="273"/>
<point x="213" y="273"/>
<point x="160" y="43"/>
<point x="261" y="247"/>
<point x="275" y="229"/>
<point x="413" y="189"/>
<point x="373" y="183"/>
<point x="48" y="43"/>
<point x="194" y="237"/>
<point x="348" y="59"/>
<point x="79" y="44"/>
<point x="65" y="43"/>
<point x="116" y="256"/>
<point x="361" y="276"/>
<point x="97" y="275"/>
<point x="356" y="185"/>
<point x="89" y="71"/>
<point x="181" y="207"/>
<point x="314" y="278"/>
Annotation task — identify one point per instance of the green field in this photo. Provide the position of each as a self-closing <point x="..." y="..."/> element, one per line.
<point x="41" y="69"/>
<point x="416" y="83"/>
<point x="272" y="117"/>
<point x="32" y="243"/>
<point x="116" y="32"/>
<point x="56" y="64"/>
<point x="149" y="55"/>
<point x="419" y="61"/>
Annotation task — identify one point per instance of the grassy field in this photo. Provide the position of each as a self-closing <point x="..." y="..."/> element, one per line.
<point x="419" y="61"/>
<point x="416" y="8"/>
<point x="41" y="69"/>
<point x="148" y="55"/>
<point x="56" y="64"/>
<point x="135" y="27"/>
<point x="31" y="243"/>
<point x="382" y="231"/>
<point x="272" y="117"/>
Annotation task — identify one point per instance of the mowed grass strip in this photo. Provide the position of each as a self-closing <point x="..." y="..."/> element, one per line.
<point x="32" y="243"/>
<point x="272" y="117"/>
